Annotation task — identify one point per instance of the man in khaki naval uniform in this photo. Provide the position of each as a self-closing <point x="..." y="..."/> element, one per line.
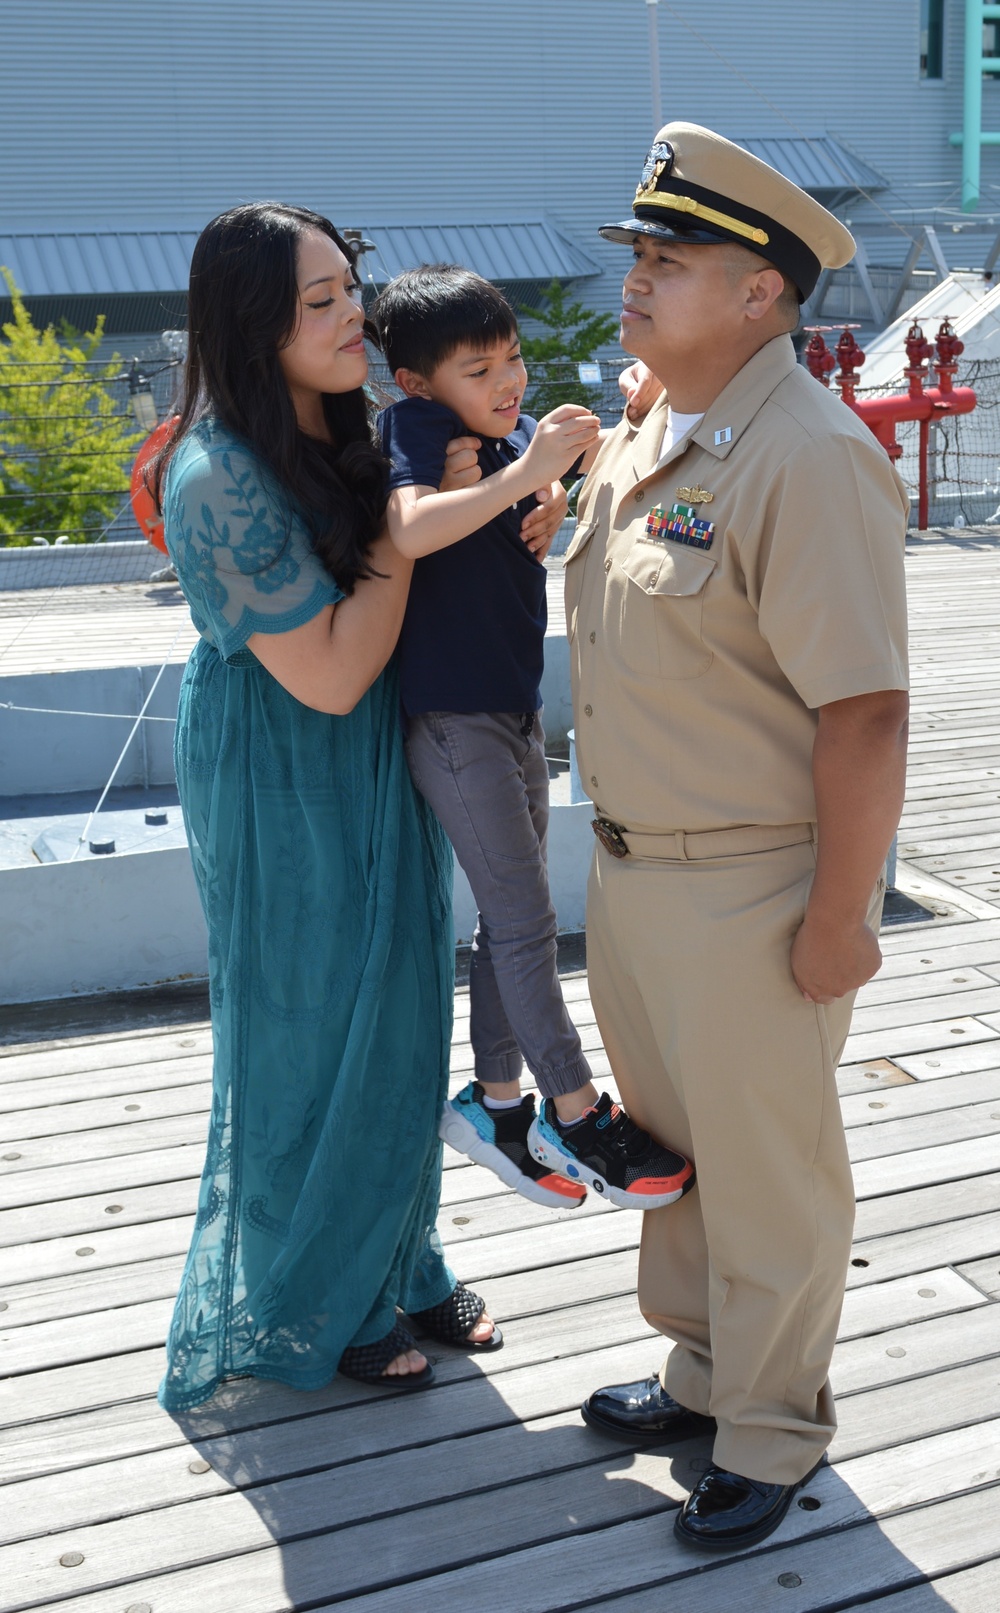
<point x="736" y="610"/>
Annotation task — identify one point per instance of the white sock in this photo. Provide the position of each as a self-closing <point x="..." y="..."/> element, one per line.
<point x="500" y="1103"/>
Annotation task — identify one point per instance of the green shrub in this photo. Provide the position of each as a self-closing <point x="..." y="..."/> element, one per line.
<point x="574" y="334"/>
<point x="65" y="443"/>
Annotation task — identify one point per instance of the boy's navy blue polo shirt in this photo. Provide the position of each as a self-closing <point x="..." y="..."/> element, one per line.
<point x="474" y="629"/>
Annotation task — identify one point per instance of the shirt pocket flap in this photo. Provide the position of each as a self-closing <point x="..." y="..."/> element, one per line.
<point x="668" y="569"/>
<point x="581" y="537"/>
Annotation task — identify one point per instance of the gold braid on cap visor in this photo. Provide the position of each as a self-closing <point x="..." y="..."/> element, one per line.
<point x="687" y="204"/>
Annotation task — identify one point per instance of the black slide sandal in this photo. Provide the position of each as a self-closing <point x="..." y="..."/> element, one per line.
<point x="452" y="1321"/>
<point x="367" y="1362"/>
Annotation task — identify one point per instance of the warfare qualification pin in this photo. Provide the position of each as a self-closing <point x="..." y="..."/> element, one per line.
<point x="695" y="495"/>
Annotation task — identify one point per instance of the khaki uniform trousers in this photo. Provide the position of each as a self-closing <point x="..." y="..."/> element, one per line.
<point x="716" y="1052"/>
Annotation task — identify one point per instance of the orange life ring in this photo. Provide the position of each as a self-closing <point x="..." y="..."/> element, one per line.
<point x="143" y="507"/>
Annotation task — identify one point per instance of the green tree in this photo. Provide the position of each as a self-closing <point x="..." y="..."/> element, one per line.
<point x="573" y="335"/>
<point x="64" y="442"/>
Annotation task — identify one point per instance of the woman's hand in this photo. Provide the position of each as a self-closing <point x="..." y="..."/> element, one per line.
<point x="540" y="527"/>
<point x="640" y="389"/>
<point x="461" y="464"/>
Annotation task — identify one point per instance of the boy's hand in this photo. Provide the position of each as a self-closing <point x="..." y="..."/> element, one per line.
<point x="640" y="388"/>
<point x="560" y="439"/>
<point x="540" y="527"/>
<point x="461" y="464"/>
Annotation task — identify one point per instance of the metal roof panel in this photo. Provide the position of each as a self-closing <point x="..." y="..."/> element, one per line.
<point x="815" y="162"/>
<point x="119" y="262"/>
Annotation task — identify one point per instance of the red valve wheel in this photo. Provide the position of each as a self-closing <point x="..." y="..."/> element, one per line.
<point x="144" y="509"/>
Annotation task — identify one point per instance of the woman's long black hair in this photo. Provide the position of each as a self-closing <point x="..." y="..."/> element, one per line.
<point x="243" y="306"/>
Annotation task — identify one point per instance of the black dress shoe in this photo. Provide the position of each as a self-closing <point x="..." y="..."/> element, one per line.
<point x="642" y="1411"/>
<point x="726" y="1511"/>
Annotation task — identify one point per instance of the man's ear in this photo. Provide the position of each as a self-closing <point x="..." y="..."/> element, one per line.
<point x="763" y="290"/>
<point x="411" y="384"/>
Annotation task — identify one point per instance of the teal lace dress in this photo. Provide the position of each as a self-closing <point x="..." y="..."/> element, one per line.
<point x="325" y="882"/>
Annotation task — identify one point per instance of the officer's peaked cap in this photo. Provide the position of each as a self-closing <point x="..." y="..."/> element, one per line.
<point x="698" y="187"/>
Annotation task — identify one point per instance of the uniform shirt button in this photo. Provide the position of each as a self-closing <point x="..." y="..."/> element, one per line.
<point x="593" y="781"/>
<point x="607" y="565"/>
<point x="593" y="638"/>
<point x="639" y="497"/>
<point x="588" y="711"/>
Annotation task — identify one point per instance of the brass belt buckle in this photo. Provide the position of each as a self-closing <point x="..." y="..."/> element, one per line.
<point x="610" y="835"/>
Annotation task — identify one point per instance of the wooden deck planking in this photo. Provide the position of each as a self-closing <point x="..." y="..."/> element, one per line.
<point x="361" y="1500"/>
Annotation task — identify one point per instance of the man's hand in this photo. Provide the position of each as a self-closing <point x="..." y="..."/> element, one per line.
<point x="640" y="389"/>
<point x="541" y="525"/>
<point x="461" y="465"/>
<point x="829" y="960"/>
<point x="859" y="774"/>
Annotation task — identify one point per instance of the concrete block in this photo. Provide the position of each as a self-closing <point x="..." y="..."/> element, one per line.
<point x="64" y="565"/>
<point x="556" y="699"/>
<point x="571" y="846"/>
<point x="104" y="924"/>
<point x="54" y="754"/>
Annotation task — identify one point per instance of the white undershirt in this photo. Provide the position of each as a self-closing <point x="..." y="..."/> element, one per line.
<point x="678" y="426"/>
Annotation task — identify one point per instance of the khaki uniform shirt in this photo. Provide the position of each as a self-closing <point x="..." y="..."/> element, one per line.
<point x="697" y="671"/>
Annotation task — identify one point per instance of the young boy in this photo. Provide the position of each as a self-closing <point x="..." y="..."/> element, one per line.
<point x="471" y="654"/>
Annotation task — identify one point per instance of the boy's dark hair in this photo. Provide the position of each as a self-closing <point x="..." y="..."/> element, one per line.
<point x="427" y="314"/>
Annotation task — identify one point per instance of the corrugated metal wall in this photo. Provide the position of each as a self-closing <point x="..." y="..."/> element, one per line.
<point x="137" y="113"/>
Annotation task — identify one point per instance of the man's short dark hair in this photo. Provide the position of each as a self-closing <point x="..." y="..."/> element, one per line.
<point x="425" y="315"/>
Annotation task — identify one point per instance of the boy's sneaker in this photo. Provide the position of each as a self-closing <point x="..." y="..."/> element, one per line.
<point x="498" y="1139"/>
<point x="607" y="1152"/>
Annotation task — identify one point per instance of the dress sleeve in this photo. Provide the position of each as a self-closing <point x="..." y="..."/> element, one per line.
<point x="826" y="565"/>
<point x="415" y="434"/>
<point x="244" y="557"/>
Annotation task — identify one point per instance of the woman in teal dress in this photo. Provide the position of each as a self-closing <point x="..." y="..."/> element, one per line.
<point x="324" y="879"/>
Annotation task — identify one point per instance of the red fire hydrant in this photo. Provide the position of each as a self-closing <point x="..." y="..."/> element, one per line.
<point x="850" y="357"/>
<point x="919" y="403"/>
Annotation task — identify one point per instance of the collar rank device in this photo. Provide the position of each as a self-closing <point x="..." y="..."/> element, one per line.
<point x="680" y="525"/>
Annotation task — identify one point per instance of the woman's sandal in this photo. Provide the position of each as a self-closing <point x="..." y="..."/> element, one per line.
<point x="367" y="1362"/>
<point x="452" y="1321"/>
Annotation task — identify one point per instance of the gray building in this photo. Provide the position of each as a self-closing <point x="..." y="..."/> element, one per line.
<point x="501" y="134"/>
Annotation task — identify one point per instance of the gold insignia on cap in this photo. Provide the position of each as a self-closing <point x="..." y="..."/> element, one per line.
<point x="687" y="204"/>
<point x="647" y="186"/>
<point x="695" y="495"/>
<point x="659" y="160"/>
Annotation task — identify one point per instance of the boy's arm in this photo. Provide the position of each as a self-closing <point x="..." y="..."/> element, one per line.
<point x="422" y="520"/>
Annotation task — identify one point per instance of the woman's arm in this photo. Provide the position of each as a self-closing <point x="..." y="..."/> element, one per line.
<point x="332" y="660"/>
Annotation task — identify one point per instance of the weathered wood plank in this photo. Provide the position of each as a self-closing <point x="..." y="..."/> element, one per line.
<point x="935" y="1034"/>
<point x="924" y="1249"/>
<point x="556" y="1573"/>
<point x="104" y="1143"/>
<point x="161" y="1478"/>
<point x="96" y="1053"/>
<point x="970" y="1590"/>
<point x="935" y="1130"/>
<point x="904" y="1015"/>
<point x="984" y="1273"/>
<point x="897" y="988"/>
<point x="874" y="1105"/>
<point x="543" y="1497"/>
<point x="33" y="1108"/>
